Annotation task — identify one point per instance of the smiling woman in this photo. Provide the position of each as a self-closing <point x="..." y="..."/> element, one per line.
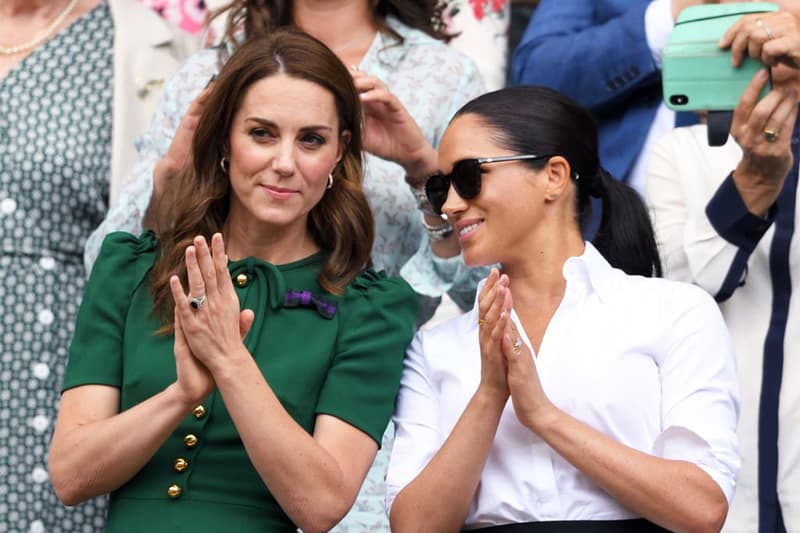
<point x="235" y="413"/>
<point x="575" y="362"/>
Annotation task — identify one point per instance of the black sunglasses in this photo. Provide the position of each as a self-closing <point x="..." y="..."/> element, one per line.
<point x="465" y="177"/>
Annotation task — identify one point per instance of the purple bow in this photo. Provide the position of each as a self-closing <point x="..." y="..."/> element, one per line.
<point x="295" y="298"/>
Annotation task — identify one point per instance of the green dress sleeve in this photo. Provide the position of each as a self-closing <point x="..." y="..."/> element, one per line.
<point x="95" y="354"/>
<point x="376" y="325"/>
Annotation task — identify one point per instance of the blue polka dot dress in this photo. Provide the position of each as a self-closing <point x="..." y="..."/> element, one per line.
<point x="55" y="152"/>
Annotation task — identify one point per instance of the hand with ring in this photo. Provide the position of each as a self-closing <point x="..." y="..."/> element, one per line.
<point x="209" y="318"/>
<point x="527" y="395"/>
<point x="772" y="38"/>
<point x="763" y="130"/>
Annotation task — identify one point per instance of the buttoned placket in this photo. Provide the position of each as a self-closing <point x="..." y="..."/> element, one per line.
<point x="542" y="461"/>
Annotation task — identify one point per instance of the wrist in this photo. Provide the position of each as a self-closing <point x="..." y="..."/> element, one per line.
<point x="420" y="165"/>
<point x="177" y="396"/>
<point x="545" y="420"/>
<point x="439" y="231"/>
<point x="236" y="362"/>
<point x="491" y="396"/>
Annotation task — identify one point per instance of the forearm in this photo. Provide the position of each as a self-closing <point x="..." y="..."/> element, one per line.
<point x="303" y="477"/>
<point x="89" y="459"/>
<point x="674" y="494"/>
<point x="454" y="471"/>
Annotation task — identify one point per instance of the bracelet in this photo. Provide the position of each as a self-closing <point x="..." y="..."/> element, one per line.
<point x="423" y="204"/>
<point x="437" y="233"/>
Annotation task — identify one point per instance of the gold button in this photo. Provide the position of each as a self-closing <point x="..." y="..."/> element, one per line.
<point x="190" y="441"/>
<point x="181" y="464"/>
<point x="174" y="491"/>
<point x="242" y="279"/>
<point x="199" y="412"/>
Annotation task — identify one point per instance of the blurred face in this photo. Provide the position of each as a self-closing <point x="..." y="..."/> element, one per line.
<point x="495" y="224"/>
<point x="284" y="141"/>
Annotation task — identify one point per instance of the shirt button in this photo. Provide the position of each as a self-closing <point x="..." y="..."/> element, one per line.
<point x="199" y="412"/>
<point x="190" y="440"/>
<point x="174" y="491"/>
<point x="180" y="464"/>
<point x="242" y="280"/>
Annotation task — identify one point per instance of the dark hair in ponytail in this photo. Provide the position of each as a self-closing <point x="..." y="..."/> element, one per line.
<point x="625" y="237"/>
<point x="538" y="120"/>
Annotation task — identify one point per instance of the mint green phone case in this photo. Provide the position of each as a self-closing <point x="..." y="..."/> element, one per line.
<point x="696" y="74"/>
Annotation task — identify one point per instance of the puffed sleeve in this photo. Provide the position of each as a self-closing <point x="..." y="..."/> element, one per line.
<point x="376" y="325"/>
<point x="95" y="355"/>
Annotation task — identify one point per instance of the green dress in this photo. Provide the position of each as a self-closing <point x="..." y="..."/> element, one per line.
<point x="347" y="365"/>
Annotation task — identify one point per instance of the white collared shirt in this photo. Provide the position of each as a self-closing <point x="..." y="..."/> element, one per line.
<point x="646" y="361"/>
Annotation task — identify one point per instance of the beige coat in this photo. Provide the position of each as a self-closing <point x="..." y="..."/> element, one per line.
<point x="147" y="51"/>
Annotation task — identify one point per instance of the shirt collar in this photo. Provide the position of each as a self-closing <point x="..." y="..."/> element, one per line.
<point x="592" y="269"/>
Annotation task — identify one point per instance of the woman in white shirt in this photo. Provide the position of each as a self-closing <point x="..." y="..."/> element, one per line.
<point x="622" y="387"/>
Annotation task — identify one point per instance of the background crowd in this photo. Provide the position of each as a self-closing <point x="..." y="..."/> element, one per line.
<point x="100" y="101"/>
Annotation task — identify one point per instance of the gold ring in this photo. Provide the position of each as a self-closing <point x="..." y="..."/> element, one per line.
<point x="760" y="23"/>
<point x="770" y="135"/>
<point x="481" y="322"/>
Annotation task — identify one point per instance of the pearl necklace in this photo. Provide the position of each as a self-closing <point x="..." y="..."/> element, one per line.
<point x="41" y="37"/>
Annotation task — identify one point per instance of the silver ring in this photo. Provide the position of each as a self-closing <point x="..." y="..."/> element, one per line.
<point x="517" y="346"/>
<point x="197" y="302"/>
<point x="760" y="23"/>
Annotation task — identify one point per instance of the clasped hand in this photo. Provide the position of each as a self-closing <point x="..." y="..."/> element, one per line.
<point x="210" y="332"/>
<point x="507" y="365"/>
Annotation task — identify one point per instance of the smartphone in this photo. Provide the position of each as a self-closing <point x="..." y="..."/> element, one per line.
<point x="696" y="74"/>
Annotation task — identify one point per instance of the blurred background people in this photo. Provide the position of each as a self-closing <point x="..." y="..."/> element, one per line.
<point x="515" y="410"/>
<point x="481" y="33"/>
<point x="79" y="80"/>
<point x="606" y="54"/>
<point x="215" y="409"/>
<point x="726" y="219"/>
<point x="410" y="83"/>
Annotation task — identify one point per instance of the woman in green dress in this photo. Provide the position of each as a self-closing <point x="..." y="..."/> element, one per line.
<point x="244" y="381"/>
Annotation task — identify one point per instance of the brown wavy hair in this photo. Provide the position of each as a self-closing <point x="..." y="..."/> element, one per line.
<point x="259" y="17"/>
<point x="340" y="223"/>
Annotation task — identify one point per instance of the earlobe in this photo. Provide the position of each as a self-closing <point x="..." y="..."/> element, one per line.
<point x="558" y="172"/>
